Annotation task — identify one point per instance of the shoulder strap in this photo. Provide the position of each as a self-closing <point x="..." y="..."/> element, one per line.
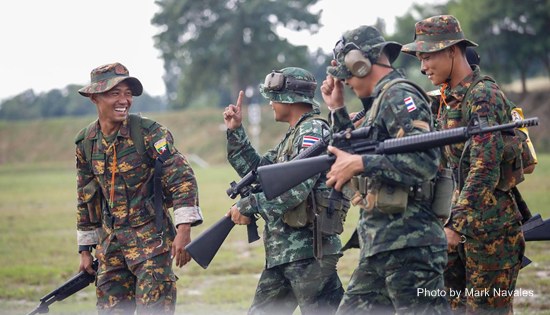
<point x="385" y="88"/>
<point x="463" y="106"/>
<point x="86" y="141"/>
<point x="135" y="133"/>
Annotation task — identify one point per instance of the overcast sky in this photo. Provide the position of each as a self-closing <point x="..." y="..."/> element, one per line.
<point x="48" y="44"/>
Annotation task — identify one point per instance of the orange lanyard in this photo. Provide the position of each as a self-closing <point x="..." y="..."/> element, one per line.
<point x="113" y="171"/>
<point x="442" y="99"/>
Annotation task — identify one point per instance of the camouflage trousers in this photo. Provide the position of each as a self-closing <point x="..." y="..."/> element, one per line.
<point x="311" y="284"/>
<point x="481" y="274"/>
<point x="403" y="281"/>
<point x="148" y="287"/>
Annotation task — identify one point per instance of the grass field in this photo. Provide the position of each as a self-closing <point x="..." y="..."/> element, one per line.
<point x="38" y="251"/>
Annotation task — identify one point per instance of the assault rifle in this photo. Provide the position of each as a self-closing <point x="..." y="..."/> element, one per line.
<point x="276" y="179"/>
<point x="73" y="285"/>
<point x="206" y="245"/>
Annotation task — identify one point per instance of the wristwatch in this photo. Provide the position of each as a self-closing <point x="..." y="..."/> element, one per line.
<point x="82" y="248"/>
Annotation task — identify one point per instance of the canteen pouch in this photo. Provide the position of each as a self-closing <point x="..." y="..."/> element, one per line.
<point x="444" y="186"/>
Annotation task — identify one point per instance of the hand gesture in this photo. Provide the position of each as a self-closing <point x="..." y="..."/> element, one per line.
<point x="332" y="91"/>
<point x="232" y="114"/>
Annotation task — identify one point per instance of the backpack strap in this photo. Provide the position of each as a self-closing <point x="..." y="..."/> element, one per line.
<point x="463" y="106"/>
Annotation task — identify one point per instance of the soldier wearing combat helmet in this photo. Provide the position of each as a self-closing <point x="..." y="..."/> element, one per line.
<point x="300" y="268"/>
<point x="123" y="201"/>
<point x="485" y="242"/>
<point x="401" y="239"/>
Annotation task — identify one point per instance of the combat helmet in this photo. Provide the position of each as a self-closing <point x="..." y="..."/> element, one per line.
<point x="291" y="85"/>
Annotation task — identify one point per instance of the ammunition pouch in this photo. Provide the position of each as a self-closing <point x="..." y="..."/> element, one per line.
<point x="301" y="216"/>
<point x="391" y="199"/>
<point x="92" y="198"/>
<point x="330" y="217"/>
<point x="331" y="213"/>
<point x="511" y="167"/>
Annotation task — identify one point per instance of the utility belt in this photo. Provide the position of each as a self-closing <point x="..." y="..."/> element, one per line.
<point x="393" y="199"/>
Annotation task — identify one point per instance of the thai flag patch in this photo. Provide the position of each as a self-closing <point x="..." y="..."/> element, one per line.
<point x="308" y="141"/>
<point x="410" y="104"/>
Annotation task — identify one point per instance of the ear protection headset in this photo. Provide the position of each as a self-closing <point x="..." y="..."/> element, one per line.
<point x="356" y="62"/>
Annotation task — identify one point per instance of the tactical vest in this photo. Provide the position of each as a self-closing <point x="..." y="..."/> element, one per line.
<point x="393" y="199"/>
<point x="137" y="125"/>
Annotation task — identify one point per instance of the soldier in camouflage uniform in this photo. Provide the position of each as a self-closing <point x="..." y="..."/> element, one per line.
<point x="484" y="235"/>
<point x="292" y="276"/>
<point x="402" y="243"/>
<point x="116" y="213"/>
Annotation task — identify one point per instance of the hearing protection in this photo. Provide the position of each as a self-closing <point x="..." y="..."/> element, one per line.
<point x="356" y="62"/>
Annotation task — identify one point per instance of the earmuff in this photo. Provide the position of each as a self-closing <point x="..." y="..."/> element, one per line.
<point x="357" y="63"/>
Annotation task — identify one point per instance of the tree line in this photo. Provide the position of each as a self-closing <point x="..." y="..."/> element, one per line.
<point x="226" y="46"/>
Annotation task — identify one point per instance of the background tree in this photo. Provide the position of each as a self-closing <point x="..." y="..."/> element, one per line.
<point x="220" y="47"/>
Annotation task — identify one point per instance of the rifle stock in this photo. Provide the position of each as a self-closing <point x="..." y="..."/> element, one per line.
<point x="70" y="287"/>
<point x="206" y="245"/>
<point x="278" y="178"/>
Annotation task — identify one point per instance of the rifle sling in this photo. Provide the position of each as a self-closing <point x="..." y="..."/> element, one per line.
<point x="157" y="190"/>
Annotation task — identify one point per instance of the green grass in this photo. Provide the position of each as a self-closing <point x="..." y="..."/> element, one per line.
<point x="38" y="251"/>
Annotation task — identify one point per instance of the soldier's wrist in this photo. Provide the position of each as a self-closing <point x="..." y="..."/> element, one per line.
<point x="85" y="248"/>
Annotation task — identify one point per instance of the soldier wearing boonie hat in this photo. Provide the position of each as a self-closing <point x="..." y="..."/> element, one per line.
<point x="402" y="244"/>
<point x="104" y="78"/>
<point x="292" y="275"/>
<point x="476" y="226"/>
<point x="122" y="215"/>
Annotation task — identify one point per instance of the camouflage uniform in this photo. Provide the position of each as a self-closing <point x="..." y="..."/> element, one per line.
<point x="402" y="255"/>
<point x="488" y="258"/>
<point x="135" y="267"/>
<point x="291" y="276"/>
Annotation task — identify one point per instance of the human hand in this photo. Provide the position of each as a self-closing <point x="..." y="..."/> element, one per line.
<point x="332" y="91"/>
<point x="183" y="237"/>
<point x="232" y="114"/>
<point x="453" y="238"/>
<point x="237" y="217"/>
<point x="86" y="260"/>
<point x="344" y="168"/>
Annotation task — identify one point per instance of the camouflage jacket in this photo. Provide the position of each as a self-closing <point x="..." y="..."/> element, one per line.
<point x="417" y="225"/>
<point x="478" y="208"/>
<point x="282" y="243"/>
<point x="131" y="214"/>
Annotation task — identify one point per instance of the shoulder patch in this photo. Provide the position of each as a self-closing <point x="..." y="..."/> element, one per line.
<point x="308" y="141"/>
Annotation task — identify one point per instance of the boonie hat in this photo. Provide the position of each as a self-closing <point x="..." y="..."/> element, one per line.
<point x="369" y="40"/>
<point x="290" y="85"/>
<point x="104" y="78"/>
<point x="436" y="33"/>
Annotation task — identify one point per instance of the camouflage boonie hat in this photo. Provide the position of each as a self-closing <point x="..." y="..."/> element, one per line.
<point x="290" y="85"/>
<point x="436" y="33"/>
<point x="369" y="40"/>
<point x="104" y="78"/>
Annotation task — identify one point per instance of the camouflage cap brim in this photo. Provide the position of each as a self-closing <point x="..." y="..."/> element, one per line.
<point x="106" y="85"/>
<point x="431" y="46"/>
<point x="340" y="71"/>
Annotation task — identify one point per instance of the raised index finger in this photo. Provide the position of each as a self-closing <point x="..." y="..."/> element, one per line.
<point x="240" y="100"/>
